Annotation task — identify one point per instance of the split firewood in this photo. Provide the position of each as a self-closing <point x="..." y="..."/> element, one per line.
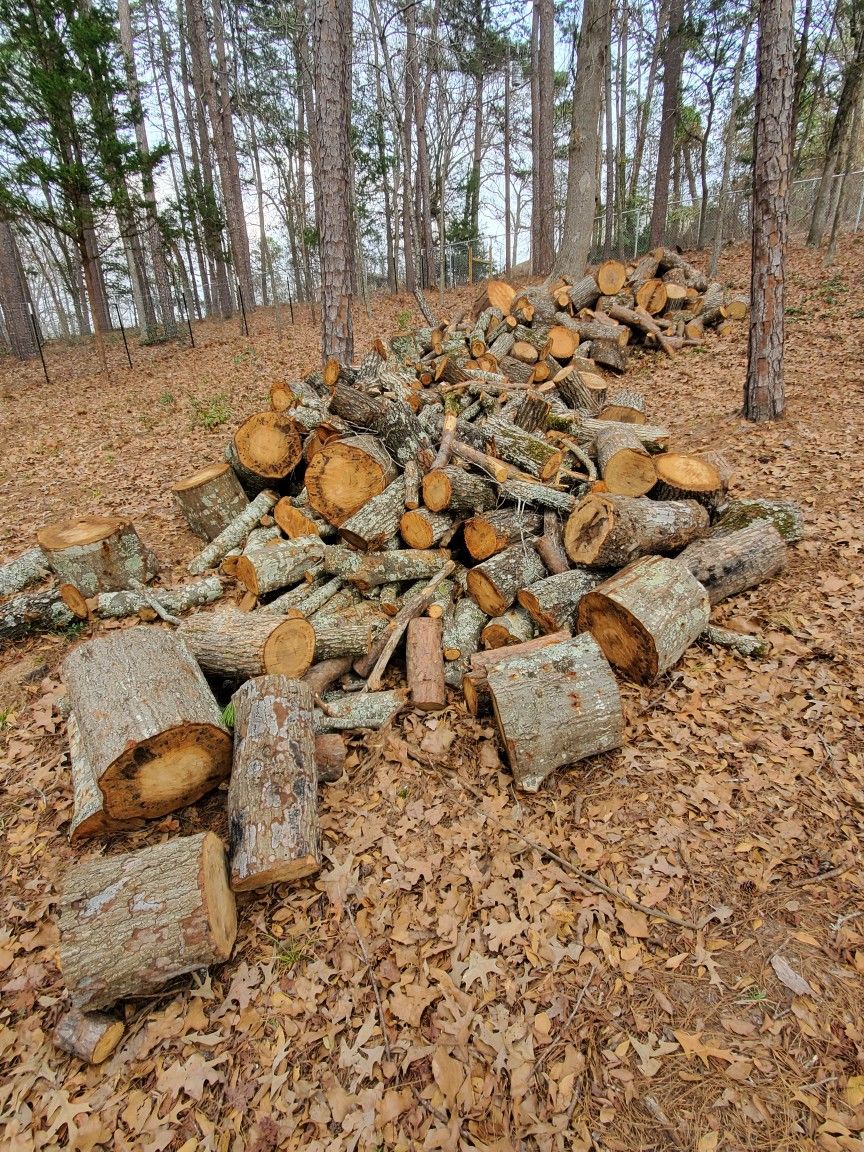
<point x="210" y="499"/>
<point x="269" y="569"/>
<point x="421" y="528"/>
<point x="240" y="644"/>
<point x="727" y="563"/>
<point x="233" y="534"/>
<point x="130" y="924"/>
<point x="273" y="796"/>
<point x="493" y="584"/>
<point x="344" y="711"/>
<point x="554" y="601"/>
<point x="625" y="464"/>
<point x="91" y="1036"/>
<point x="424" y="664"/>
<point x="378" y="520"/>
<point x="492" y="532"/>
<point x="687" y="478"/>
<point x="345" y="474"/>
<point x="646" y="616"/>
<point x="785" y="515"/>
<point x="550" y="546"/>
<point x="150" y="726"/>
<point x="296" y="521"/>
<point x="555" y="706"/>
<point x="33" y="612"/>
<point x="513" y="627"/>
<point x="606" y="531"/>
<point x="28" y="568"/>
<point x="97" y="554"/>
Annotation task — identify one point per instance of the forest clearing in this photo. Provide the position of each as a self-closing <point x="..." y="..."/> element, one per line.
<point x="445" y="982"/>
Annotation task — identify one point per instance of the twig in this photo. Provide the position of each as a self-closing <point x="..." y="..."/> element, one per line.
<point x="547" y="1051"/>
<point x="388" y="1052"/>
<point x="153" y="603"/>
<point x="819" y="877"/>
<point x="378" y="657"/>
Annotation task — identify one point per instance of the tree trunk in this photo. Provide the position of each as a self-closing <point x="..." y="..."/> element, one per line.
<point x="672" y="65"/>
<point x="728" y="152"/>
<point x="14" y="297"/>
<point x="130" y="924"/>
<point x="543" y="207"/>
<point x="273" y="834"/>
<point x="764" y="393"/>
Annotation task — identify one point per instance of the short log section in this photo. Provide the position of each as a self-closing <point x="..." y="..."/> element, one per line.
<point x="346" y="474"/>
<point x="493" y="584"/>
<point x="682" y="477"/>
<point x="273" y="798"/>
<point x="267" y="447"/>
<point x="210" y="499"/>
<point x="97" y="554"/>
<point x="492" y="532"/>
<point x="25" y="569"/>
<point x="239" y="645"/>
<point x="91" y="1036"/>
<point x="552" y="603"/>
<point x="424" y="663"/>
<point x="730" y="562"/>
<point x="606" y="531"/>
<point x="626" y="465"/>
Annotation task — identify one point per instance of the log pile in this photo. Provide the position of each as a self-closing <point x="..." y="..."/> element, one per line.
<point x="479" y="506"/>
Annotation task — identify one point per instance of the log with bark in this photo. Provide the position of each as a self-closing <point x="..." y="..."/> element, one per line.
<point x="97" y="554"/>
<point x="463" y="629"/>
<point x="368" y="570"/>
<point x="394" y="423"/>
<point x="555" y="706"/>
<point x="271" y="568"/>
<point x="550" y="546"/>
<point x="727" y="563"/>
<point x="785" y="515"/>
<point x="528" y="452"/>
<point x="210" y="499"/>
<point x="492" y="532"/>
<point x="475" y="687"/>
<point x="624" y="405"/>
<point x="130" y="924"/>
<point x="297" y="521"/>
<point x="554" y="601"/>
<point x="91" y="1036"/>
<point x="681" y="477"/>
<point x="424" y="664"/>
<point x="345" y="474"/>
<point x="238" y="645"/>
<point x="493" y="584"/>
<point x="89" y="817"/>
<point x="514" y="626"/>
<point x="377" y="521"/>
<point x="421" y="528"/>
<point x="234" y="533"/>
<point x="646" y="616"/>
<point x="117" y="605"/>
<point x="344" y="711"/>
<point x="28" y="568"/>
<point x="457" y="491"/>
<point x="273" y="834"/>
<point x="266" y="448"/>
<point x="625" y="464"/>
<point x="150" y="726"/>
<point x="29" y="612"/>
<point x="606" y="531"/>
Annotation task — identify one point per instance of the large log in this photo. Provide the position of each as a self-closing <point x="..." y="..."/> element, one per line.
<point x="233" y="534"/>
<point x="393" y="422"/>
<point x="210" y="499"/>
<point x="344" y="711"/>
<point x="345" y="474"/>
<point x="91" y="1036"/>
<point x="268" y="446"/>
<point x="273" y="834"/>
<point x="130" y="924"/>
<point x="377" y="521"/>
<point x="118" y="605"/>
<point x="730" y="562"/>
<point x="89" y="817"/>
<point x="687" y="478"/>
<point x="646" y="616"/>
<point x="625" y="464"/>
<point x="492" y="532"/>
<point x="530" y="453"/>
<point x="424" y="664"/>
<point x="457" y="491"/>
<point x="243" y="644"/>
<point x="493" y="584"/>
<point x="149" y="723"/>
<point x="585" y="429"/>
<point x="553" y="602"/>
<point x="555" y="706"/>
<point x="785" y="515"/>
<point x="25" y="569"/>
<point x="475" y="687"/>
<point x="271" y="568"/>
<point x="42" y="611"/>
<point x="606" y="531"/>
<point x="97" y="554"/>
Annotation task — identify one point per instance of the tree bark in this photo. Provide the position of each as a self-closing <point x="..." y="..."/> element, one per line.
<point x="494" y="583"/>
<point x="729" y="563"/>
<point x="606" y="531"/>
<point x="97" y="554"/>
<point x="25" y="569"/>
<point x="424" y="664"/>
<point x="543" y="207"/>
<point x="210" y="499"/>
<point x="91" y="1036"/>
<point x="14" y="297"/>
<point x="673" y="60"/>
<point x="553" y="601"/>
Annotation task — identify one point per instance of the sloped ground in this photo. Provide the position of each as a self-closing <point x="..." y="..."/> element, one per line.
<point x="443" y="983"/>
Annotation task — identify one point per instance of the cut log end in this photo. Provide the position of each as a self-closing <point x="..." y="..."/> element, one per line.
<point x="87" y="530"/>
<point x="91" y="1036"/>
<point x="268" y="445"/>
<point x="290" y="649"/>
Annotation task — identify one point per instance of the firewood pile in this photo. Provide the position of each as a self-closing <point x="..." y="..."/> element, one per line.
<point x="481" y="489"/>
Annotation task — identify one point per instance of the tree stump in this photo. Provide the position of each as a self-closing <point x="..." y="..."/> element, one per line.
<point x="149" y="723"/>
<point x="626" y="465"/>
<point x="377" y="521"/>
<point x="240" y="645"/>
<point x="267" y="447"/>
<point x="424" y="663"/>
<point x="91" y="1036"/>
<point x="97" y="554"/>
<point x="210" y="499"/>
<point x="89" y="817"/>
<point x="273" y="798"/>
<point x="346" y="474"/>
<point x="457" y="491"/>
<point x="606" y="531"/>
<point x="730" y="562"/>
<point x="25" y="569"/>
<point x="493" y="584"/>
<point x="233" y="534"/>
<point x="555" y="706"/>
<point x="687" y="478"/>
<point x="491" y="532"/>
<point x="553" y="602"/>
<point x="130" y="924"/>
<point x="646" y="616"/>
<point x="269" y="569"/>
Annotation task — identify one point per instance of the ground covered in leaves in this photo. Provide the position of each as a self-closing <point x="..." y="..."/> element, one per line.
<point x="446" y="982"/>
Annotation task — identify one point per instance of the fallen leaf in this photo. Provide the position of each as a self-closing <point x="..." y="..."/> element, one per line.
<point x="789" y="977"/>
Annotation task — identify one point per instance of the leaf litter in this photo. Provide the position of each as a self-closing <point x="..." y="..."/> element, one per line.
<point x="453" y="979"/>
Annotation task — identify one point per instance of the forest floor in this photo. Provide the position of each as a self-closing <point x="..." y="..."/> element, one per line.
<point x="520" y="1008"/>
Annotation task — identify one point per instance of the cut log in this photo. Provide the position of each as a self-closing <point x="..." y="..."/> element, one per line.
<point x="530" y="453"/>
<point x="553" y="602"/>
<point x="268" y="446"/>
<point x="368" y="570"/>
<point x="462" y="630"/>
<point x="344" y="711"/>
<point x="687" y="478"/>
<point x="411" y="476"/>
<point x="555" y="706"/>
<point x="331" y="752"/>
<point x="532" y="412"/>
<point x="243" y="644"/>
<point x="33" y="612"/>
<point x="130" y="924"/>
<point x="739" y="642"/>
<point x="652" y="296"/>
<point x="342" y="636"/>
<point x="234" y="534"/>
<point x="150" y="727"/>
<point x="538" y="495"/>
<point x="502" y="344"/>
<point x="268" y="569"/>
<point x="91" y="1036"/>
<point x="210" y="499"/>
<point x="377" y="521"/>
<point x="611" y="276"/>
<point x="297" y="522"/>
<point x="515" y="370"/>
<point x="324" y="675"/>
<point x="493" y="584"/>
<point x="625" y="464"/>
<point x="273" y="834"/>
<point x="582" y="390"/>
<point x="514" y="627"/>
<point x="625" y="406"/>
<point x="500" y="295"/>
<point x="609" y="354"/>
<point x="730" y="562"/>
<point x="606" y="531"/>
<point x="492" y="532"/>
<point x="25" y="569"/>
<point x="563" y="341"/>
<point x="585" y="429"/>
<point x="646" y="616"/>
<point x="550" y="546"/>
<point x="97" y="554"/>
<point x="524" y="352"/>
<point x="457" y="491"/>
<point x="88" y="817"/>
<point x="421" y="528"/>
<point x="475" y="687"/>
<point x="584" y="293"/>
<point x="345" y="474"/>
<point x="393" y="422"/>
<point x="667" y="258"/>
<point x="424" y="664"/>
<point x="785" y="515"/>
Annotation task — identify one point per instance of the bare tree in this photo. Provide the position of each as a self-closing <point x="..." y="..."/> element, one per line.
<point x="13" y="296"/>
<point x="764" y="394"/>
<point x="332" y="74"/>
<point x="543" y="208"/>
<point x="673" y="61"/>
